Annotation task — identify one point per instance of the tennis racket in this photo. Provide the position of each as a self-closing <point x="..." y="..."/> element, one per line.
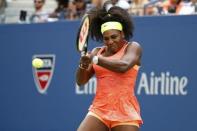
<point x="82" y="35"/>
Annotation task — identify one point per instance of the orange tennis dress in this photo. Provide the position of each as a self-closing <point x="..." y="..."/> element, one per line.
<point x="115" y="99"/>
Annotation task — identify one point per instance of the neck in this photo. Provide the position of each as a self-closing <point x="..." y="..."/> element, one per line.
<point x="108" y="52"/>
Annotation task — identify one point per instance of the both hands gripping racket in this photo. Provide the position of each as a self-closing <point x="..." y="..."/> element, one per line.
<point x="82" y="36"/>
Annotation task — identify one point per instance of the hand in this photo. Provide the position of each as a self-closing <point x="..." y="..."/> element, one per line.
<point x="85" y="61"/>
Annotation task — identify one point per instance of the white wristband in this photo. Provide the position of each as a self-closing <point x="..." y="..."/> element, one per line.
<point x="95" y="59"/>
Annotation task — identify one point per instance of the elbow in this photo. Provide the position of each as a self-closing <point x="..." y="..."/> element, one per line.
<point x="123" y="69"/>
<point x="81" y="83"/>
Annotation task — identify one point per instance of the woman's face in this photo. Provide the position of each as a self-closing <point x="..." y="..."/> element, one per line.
<point x="114" y="40"/>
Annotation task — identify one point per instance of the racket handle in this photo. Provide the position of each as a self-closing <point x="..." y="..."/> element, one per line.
<point x="84" y="50"/>
<point x="83" y="53"/>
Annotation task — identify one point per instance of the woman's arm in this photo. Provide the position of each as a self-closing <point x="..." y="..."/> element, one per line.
<point x="83" y="75"/>
<point x="131" y="57"/>
<point x="85" y="70"/>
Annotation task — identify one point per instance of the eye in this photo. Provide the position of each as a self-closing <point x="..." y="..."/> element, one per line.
<point x="114" y="36"/>
<point x="106" y="38"/>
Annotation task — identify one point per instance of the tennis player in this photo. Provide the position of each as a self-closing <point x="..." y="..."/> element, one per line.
<point x="115" y="65"/>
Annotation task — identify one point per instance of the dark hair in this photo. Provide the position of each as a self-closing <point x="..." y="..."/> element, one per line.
<point x="100" y="16"/>
<point x="61" y="5"/>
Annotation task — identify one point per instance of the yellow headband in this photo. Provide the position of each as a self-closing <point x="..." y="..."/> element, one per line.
<point x="111" y="25"/>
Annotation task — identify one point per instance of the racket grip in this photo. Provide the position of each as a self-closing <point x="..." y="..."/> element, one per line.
<point x="83" y="53"/>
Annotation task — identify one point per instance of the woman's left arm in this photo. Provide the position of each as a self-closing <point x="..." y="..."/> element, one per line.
<point x="131" y="57"/>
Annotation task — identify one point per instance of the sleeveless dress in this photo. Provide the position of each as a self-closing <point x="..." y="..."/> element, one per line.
<point x="115" y="98"/>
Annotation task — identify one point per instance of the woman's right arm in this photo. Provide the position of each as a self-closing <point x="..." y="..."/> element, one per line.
<point x="83" y="75"/>
<point x="85" y="70"/>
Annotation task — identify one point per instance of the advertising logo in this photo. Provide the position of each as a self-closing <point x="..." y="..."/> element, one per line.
<point x="153" y="84"/>
<point x="43" y="75"/>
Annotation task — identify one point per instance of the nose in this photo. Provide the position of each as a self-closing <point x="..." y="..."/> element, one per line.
<point x="110" y="41"/>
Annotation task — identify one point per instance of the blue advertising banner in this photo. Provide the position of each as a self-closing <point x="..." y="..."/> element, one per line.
<point x="48" y="99"/>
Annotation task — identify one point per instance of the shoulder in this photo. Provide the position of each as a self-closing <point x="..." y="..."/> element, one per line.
<point x="134" y="44"/>
<point x="134" y="47"/>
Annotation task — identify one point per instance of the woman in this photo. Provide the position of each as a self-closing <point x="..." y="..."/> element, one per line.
<point x="115" y="65"/>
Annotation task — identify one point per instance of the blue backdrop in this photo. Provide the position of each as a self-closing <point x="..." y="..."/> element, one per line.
<point x="166" y="85"/>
